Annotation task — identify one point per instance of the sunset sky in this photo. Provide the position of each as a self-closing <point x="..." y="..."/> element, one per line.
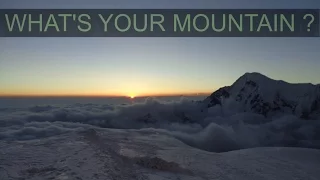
<point x="150" y="66"/>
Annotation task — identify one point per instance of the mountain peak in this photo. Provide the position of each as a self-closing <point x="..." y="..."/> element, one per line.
<point x="254" y="76"/>
<point x="255" y="92"/>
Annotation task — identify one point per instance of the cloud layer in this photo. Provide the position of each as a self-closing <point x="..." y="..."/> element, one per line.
<point x="218" y="129"/>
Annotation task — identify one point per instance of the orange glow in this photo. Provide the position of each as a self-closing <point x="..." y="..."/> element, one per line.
<point x="132" y="96"/>
<point x="97" y="87"/>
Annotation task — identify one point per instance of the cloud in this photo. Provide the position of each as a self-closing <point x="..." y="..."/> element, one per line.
<point x="216" y="130"/>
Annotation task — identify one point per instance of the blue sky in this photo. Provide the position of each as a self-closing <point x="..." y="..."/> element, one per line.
<point x="140" y="66"/>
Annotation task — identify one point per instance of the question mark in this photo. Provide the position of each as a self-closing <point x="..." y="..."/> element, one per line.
<point x="311" y="21"/>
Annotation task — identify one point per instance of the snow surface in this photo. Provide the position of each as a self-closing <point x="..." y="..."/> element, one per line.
<point x="147" y="154"/>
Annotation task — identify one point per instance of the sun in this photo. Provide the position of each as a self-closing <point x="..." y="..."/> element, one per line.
<point x="132" y="96"/>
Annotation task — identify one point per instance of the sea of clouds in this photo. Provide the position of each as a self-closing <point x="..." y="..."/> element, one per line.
<point x="217" y="129"/>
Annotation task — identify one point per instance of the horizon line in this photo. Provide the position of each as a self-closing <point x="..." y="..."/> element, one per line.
<point x="101" y="96"/>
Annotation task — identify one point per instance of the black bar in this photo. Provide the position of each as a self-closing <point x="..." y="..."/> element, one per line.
<point x="203" y="23"/>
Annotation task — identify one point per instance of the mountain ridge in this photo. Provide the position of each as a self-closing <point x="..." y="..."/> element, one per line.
<point x="255" y="92"/>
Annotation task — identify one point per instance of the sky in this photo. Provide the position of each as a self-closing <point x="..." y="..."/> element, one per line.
<point x="151" y="66"/>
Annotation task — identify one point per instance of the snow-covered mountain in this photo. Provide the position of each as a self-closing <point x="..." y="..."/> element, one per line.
<point x="254" y="92"/>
